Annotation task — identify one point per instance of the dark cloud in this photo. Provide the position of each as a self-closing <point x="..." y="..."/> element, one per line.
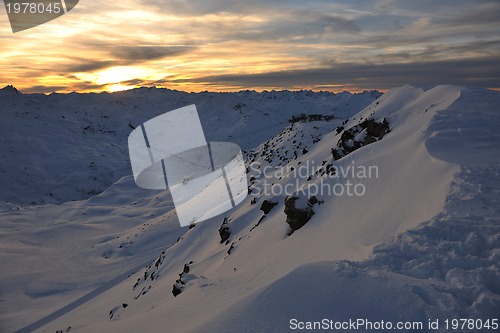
<point x="43" y="89"/>
<point x="194" y="7"/>
<point x="478" y="13"/>
<point x="135" y="82"/>
<point x="89" y="66"/>
<point x="144" y="53"/>
<point x="27" y="71"/>
<point x="433" y="53"/>
<point x="324" y="20"/>
<point x="82" y="85"/>
<point x="201" y="7"/>
<point x="301" y="26"/>
<point x="483" y="72"/>
<point x="126" y="55"/>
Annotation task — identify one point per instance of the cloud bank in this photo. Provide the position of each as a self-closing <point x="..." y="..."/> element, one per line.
<point x="228" y="45"/>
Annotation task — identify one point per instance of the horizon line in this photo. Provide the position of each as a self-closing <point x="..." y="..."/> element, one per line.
<point x="270" y="89"/>
<point x="265" y="90"/>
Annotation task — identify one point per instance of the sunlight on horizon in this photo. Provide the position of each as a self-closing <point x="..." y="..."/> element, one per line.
<point x="195" y="47"/>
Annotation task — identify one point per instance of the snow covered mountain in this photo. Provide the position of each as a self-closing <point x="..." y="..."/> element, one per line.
<point x="390" y="214"/>
<point x="63" y="147"/>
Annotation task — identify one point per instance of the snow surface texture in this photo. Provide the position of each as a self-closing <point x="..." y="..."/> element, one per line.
<point x="422" y="243"/>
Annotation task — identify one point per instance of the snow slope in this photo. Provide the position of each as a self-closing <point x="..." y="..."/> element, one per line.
<point x="59" y="148"/>
<point x="446" y="268"/>
<point x="422" y="242"/>
<point x="63" y="147"/>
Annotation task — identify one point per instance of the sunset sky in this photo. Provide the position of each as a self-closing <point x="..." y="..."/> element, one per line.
<point x="223" y="45"/>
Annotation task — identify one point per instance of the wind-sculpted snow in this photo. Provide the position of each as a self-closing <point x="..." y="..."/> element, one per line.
<point x="447" y="268"/>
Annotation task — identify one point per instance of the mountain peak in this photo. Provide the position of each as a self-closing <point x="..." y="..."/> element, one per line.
<point x="9" y="89"/>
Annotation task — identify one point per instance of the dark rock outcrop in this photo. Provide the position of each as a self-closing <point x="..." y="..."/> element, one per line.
<point x="179" y="284"/>
<point x="297" y="217"/>
<point x="224" y="231"/>
<point x="267" y="206"/>
<point x="348" y="143"/>
<point x="176" y="291"/>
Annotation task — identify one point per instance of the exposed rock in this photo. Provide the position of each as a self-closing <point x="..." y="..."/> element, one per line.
<point x="365" y="133"/>
<point x="175" y="290"/>
<point x="230" y="248"/>
<point x="311" y="117"/>
<point x="267" y="206"/>
<point x="376" y="130"/>
<point x="224" y="231"/>
<point x="258" y="222"/>
<point x="297" y="216"/>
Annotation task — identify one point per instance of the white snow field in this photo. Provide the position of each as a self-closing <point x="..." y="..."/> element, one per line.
<point x="413" y="240"/>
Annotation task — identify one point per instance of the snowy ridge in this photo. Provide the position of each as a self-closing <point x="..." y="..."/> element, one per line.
<point x="421" y="243"/>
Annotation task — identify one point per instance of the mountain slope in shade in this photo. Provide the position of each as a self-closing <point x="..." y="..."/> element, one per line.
<point x="421" y="243"/>
<point x="63" y="147"/>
